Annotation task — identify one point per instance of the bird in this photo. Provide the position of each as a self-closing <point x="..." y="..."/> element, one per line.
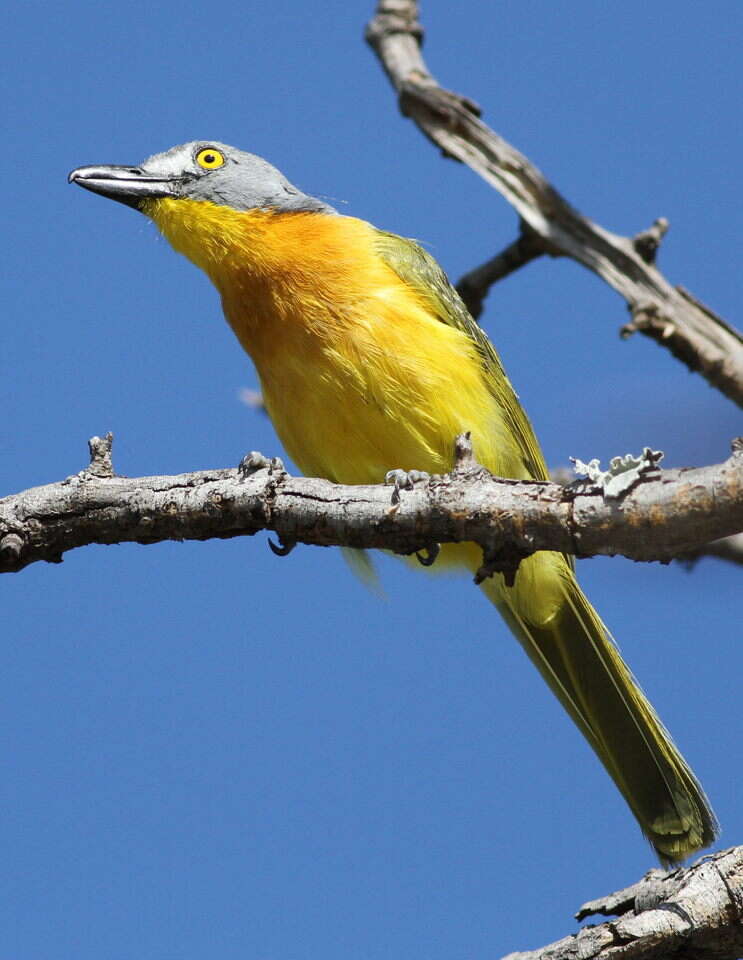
<point x="369" y="361"/>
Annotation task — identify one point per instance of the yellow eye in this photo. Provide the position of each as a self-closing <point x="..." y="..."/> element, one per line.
<point x="209" y="158"/>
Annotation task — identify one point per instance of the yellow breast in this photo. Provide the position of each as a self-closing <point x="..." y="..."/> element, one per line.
<point x="357" y="375"/>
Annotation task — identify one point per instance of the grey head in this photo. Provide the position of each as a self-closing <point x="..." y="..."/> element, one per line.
<point x="203" y="170"/>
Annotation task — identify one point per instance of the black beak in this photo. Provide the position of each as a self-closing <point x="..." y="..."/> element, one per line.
<point x="129" y="185"/>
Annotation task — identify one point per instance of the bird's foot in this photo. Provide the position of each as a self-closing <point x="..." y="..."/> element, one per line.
<point x="404" y="480"/>
<point x="254" y="462"/>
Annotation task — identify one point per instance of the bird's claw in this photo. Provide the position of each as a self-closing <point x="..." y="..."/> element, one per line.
<point x="404" y="480"/>
<point x="429" y="556"/>
<point x="282" y="549"/>
<point x="254" y="461"/>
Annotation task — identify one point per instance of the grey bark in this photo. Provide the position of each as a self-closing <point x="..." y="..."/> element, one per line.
<point x="688" y="914"/>
<point x="636" y="510"/>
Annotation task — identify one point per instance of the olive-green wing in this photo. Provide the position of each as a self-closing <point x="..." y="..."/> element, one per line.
<point x="420" y="271"/>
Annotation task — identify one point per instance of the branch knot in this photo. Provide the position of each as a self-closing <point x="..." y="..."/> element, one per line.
<point x="647" y="243"/>
<point x="101" y="464"/>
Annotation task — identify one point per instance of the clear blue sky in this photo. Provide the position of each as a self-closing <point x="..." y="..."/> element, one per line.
<point x="211" y="752"/>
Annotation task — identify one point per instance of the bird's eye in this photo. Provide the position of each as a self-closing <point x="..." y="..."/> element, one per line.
<point x="209" y="158"/>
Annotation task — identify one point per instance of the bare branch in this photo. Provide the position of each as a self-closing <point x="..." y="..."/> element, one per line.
<point x="689" y="914"/>
<point x="671" y="317"/>
<point x="729" y="549"/>
<point x="651" y="515"/>
<point x="474" y="286"/>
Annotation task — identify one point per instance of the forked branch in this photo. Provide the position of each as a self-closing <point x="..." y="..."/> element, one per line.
<point x="669" y="315"/>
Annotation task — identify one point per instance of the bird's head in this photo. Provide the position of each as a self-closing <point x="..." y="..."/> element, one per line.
<point x="203" y="170"/>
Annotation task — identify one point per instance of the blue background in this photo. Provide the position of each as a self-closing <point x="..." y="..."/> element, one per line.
<point x="211" y="752"/>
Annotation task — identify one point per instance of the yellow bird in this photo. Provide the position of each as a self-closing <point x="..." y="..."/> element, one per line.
<point x="368" y="360"/>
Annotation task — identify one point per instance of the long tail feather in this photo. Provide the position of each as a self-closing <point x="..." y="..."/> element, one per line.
<point x="566" y="640"/>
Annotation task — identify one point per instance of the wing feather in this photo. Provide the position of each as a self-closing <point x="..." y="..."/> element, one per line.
<point x="418" y="269"/>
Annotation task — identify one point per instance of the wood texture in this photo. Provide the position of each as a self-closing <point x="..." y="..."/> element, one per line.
<point x="688" y="914"/>
<point x="662" y="514"/>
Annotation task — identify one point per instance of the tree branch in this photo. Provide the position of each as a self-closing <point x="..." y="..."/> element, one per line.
<point x="688" y="914"/>
<point x="635" y="510"/>
<point x="669" y="315"/>
<point x="474" y="286"/>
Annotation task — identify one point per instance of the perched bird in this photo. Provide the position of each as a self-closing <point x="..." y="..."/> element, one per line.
<point x="368" y="360"/>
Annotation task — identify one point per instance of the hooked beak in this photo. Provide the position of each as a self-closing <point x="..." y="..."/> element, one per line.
<point x="129" y="185"/>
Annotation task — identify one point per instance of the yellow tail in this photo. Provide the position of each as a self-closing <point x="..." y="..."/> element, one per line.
<point x="566" y="640"/>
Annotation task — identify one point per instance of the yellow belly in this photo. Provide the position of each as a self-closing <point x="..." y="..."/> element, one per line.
<point x="352" y="409"/>
<point x="358" y="376"/>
